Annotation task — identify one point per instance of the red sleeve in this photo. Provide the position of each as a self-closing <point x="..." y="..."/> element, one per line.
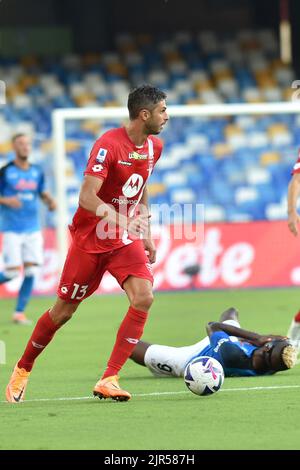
<point x="158" y="148"/>
<point x="101" y="159"/>
<point x="296" y="167"/>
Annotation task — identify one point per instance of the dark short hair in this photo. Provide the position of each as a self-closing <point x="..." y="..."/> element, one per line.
<point x="16" y="136"/>
<point x="144" y="97"/>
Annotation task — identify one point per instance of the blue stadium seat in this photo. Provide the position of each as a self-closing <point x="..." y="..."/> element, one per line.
<point x="209" y="165"/>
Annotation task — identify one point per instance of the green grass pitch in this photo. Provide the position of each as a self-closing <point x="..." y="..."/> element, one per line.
<point x="248" y="413"/>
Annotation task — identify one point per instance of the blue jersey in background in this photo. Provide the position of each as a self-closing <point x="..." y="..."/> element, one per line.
<point x="27" y="185"/>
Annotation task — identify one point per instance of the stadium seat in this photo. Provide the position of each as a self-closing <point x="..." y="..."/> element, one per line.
<point x="238" y="166"/>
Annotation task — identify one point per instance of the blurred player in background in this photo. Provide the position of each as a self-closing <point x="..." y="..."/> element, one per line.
<point x="21" y="185"/>
<point x="293" y="222"/>
<point x="241" y="352"/>
<point x="106" y="236"/>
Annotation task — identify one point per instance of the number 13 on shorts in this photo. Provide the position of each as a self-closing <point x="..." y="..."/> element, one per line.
<point x="80" y="290"/>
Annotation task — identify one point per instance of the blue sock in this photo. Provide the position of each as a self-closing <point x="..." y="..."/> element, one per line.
<point x="3" y="278"/>
<point x="25" y="293"/>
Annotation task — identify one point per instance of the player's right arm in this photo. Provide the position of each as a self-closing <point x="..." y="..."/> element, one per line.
<point x="89" y="200"/>
<point x="12" y="201"/>
<point x="213" y="327"/>
<point x="100" y="163"/>
<point x="293" y="195"/>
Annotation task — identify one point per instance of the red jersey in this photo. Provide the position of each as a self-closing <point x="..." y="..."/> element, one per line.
<point x="124" y="169"/>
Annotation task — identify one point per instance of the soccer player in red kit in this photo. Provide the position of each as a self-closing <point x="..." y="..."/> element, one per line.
<point x="108" y="235"/>
<point x="293" y="221"/>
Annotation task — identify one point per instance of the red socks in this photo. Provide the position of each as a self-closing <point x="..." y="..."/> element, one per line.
<point x="41" y="336"/>
<point x="129" y="333"/>
<point x="297" y="317"/>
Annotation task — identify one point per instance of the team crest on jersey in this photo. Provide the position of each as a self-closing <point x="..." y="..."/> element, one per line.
<point x="133" y="185"/>
<point x="137" y="156"/>
<point x="101" y="155"/>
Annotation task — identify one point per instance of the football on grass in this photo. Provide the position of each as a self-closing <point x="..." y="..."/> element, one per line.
<point x="204" y="375"/>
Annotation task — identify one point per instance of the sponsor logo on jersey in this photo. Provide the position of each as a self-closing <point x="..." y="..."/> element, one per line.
<point x="64" y="290"/>
<point x="26" y="196"/>
<point x="133" y="185"/>
<point x="124" y="163"/>
<point x="97" y="168"/>
<point x="121" y="201"/>
<point x="137" y="156"/>
<point x="24" y="185"/>
<point x="220" y="342"/>
<point x="101" y="155"/>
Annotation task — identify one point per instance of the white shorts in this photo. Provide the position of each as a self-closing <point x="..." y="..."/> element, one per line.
<point x="167" y="361"/>
<point x="20" y="248"/>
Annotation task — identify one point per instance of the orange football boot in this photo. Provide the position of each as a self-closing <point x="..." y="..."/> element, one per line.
<point x="109" y="388"/>
<point x="15" y="390"/>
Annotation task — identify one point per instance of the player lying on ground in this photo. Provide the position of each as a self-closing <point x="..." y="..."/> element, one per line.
<point x="106" y="236"/>
<point x="241" y="352"/>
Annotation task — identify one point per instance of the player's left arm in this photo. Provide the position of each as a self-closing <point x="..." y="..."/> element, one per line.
<point x="250" y="336"/>
<point x="147" y="238"/>
<point x="46" y="197"/>
<point x="48" y="200"/>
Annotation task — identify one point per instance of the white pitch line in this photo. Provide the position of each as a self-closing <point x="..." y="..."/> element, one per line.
<point x="241" y="389"/>
<point x="271" y="387"/>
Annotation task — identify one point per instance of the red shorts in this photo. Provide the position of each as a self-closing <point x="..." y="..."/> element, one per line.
<point x="83" y="271"/>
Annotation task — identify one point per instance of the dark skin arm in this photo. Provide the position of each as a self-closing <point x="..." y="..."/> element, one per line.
<point x="138" y="354"/>
<point x="250" y="336"/>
